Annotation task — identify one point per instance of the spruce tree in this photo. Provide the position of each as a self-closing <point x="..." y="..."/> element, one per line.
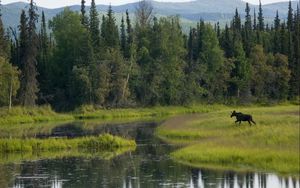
<point x="290" y="17"/>
<point x="261" y="24"/>
<point x="200" y="34"/>
<point x="247" y="38"/>
<point x="190" y="45"/>
<point x="94" y="27"/>
<point x="297" y="52"/>
<point x="110" y="31"/>
<point x="218" y="30"/>
<point x="29" y="84"/>
<point x="283" y="39"/>
<point x="227" y="42"/>
<point x="276" y="39"/>
<point x="212" y="58"/>
<point x="3" y="39"/>
<point x="43" y="61"/>
<point x="241" y="72"/>
<point x="84" y="18"/>
<point x="254" y="21"/>
<point x="129" y="39"/>
<point x="123" y="38"/>
<point x="294" y="58"/>
<point x="22" y="42"/>
<point x="237" y="25"/>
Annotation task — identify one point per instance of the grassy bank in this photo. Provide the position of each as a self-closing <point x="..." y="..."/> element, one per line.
<point x="21" y="115"/>
<point x="212" y="140"/>
<point x="103" y="142"/>
<point x="89" y="112"/>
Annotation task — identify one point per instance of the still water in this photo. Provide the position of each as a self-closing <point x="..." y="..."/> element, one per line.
<point x="149" y="166"/>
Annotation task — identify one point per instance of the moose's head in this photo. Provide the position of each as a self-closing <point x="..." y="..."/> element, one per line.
<point x="233" y="114"/>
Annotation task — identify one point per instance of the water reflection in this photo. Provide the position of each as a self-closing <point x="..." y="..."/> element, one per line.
<point x="149" y="166"/>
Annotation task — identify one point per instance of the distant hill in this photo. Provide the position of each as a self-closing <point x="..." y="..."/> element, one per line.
<point x="208" y="10"/>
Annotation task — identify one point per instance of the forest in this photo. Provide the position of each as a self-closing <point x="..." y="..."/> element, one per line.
<point x="83" y="58"/>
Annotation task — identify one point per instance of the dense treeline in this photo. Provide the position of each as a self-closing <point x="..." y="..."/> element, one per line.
<point x="82" y="58"/>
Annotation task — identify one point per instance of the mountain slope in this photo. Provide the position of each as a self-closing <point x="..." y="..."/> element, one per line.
<point x="209" y="10"/>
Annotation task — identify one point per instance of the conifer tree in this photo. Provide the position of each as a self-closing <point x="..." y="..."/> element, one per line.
<point x="276" y="40"/>
<point x="227" y="42"/>
<point x="84" y="18"/>
<point x="43" y="58"/>
<point x="247" y="38"/>
<point x="261" y="24"/>
<point x="94" y="27"/>
<point x="296" y="72"/>
<point x="190" y="45"/>
<point x="241" y="72"/>
<point x="254" y="21"/>
<point x="283" y="39"/>
<point x="123" y="38"/>
<point x="29" y="84"/>
<point x="212" y="58"/>
<point x="200" y="34"/>
<point x="3" y="39"/>
<point x="237" y="25"/>
<point x="110" y="31"/>
<point x="294" y="56"/>
<point x="129" y="39"/>
<point x="290" y="17"/>
<point x="21" y="44"/>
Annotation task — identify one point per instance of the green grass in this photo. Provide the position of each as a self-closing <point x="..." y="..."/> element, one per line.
<point x="212" y="140"/>
<point x="22" y="115"/>
<point x="89" y="112"/>
<point x="103" y="142"/>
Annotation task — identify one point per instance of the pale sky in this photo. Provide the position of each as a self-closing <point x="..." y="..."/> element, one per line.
<point x="61" y="3"/>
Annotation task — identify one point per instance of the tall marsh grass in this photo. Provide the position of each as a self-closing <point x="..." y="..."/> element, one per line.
<point x="22" y="115"/>
<point x="103" y="142"/>
<point x="89" y="112"/>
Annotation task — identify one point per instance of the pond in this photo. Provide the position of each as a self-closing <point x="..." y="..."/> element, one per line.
<point x="149" y="166"/>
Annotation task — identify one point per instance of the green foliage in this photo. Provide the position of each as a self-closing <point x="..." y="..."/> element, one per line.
<point x="154" y="62"/>
<point x="118" y="91"/>
<point x="29" y="84"/>
<point x="110" y="32"/>
<point x="4" y="44"/>
<point x="94" y="27"/>
<point x="71" y="58"/>
<point x="80" y="88"/>
<point x="241" y="71"/>
<point x="9" y="82"/>
<point x="260" y="73"/>
<point x="282" y="77"/>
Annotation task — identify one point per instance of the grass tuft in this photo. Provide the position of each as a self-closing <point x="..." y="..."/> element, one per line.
<point x="102" y="142"/>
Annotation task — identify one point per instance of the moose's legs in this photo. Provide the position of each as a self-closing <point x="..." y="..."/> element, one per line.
<point x="249" y="122"/>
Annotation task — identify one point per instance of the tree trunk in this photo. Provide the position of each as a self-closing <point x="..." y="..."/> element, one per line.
<point x="10" y="92"/>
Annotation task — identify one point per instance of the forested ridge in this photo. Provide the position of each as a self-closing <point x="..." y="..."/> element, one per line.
<point x="81" y="58"/>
